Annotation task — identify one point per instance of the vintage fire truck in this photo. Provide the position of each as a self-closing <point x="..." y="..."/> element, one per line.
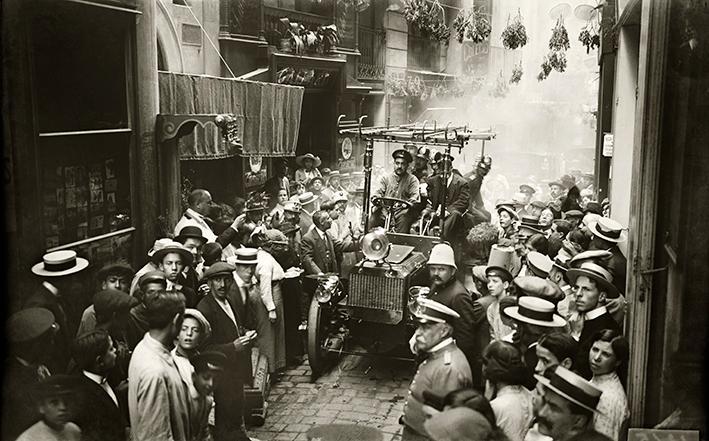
<point x="373" y="308"/>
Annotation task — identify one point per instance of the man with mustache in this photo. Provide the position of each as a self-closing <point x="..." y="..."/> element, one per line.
<point x="567" y="407"/>
<point x="444" y="370"/>
<point x="401" y="185"/>
<point x="449" y="291"/>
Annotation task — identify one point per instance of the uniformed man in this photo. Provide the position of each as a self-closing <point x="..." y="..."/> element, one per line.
<point x="401" y="185"/>
<point x="444" y="370"/>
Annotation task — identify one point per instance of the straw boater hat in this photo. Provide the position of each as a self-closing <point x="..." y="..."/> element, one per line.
<point x="307" y="198"/>
<point x="596" y="272"/>
<point x="499" y="262"/>
<point x="561" y="262"/>
<point x="244" y="256"/>
<point x="335" y="174"/>
<point x="431" y="311"/>
<point x="316" y="160"/>
<point x="526" y="188"/>
<point x="174" y="247"/>
<point x="442" y="254"/>
<point x="572" y="387"/>
<point x="539" y="264"/>
<point x="508" y="207"/>
<point x="535" y="311"/>
<point x="291" y="206"/>
<point x="589" y="256"/>
<point x="608" y="229"/>
<point x="60" y="263"/>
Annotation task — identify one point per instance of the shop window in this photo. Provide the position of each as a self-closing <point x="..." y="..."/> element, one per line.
<point x="79" y="64"/>
<point x="85" y="187"/>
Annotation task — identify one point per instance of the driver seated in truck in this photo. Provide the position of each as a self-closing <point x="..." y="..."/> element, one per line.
<point x="457" y="197"/>
<point x="398" y="184"/>
<point x="445" y="368"/>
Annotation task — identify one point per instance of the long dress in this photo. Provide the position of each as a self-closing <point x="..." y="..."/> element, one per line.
<point x="271" y="337"/>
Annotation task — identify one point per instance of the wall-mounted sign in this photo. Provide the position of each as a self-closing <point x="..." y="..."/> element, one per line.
<point x="346" y="148"/>
<point x="608" y="145"/>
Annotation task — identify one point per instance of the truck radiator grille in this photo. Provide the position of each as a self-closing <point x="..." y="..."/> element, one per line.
<point x="376" y="292"/>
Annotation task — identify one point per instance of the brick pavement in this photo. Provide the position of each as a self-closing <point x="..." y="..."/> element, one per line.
<point x="359" y="390"/>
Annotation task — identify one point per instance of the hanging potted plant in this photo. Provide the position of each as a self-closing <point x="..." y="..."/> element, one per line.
<point x="559" y="40"/>
<point x="291" y="40"/>
<point x="329" y="37"/>
<point x="516" y="74"/>
<point x="515" y="34"/>
<point x="558" y="45"/>
<point x="428" y="17"/>
<point x="472" y="25"/>
<point x="589" y="37"/>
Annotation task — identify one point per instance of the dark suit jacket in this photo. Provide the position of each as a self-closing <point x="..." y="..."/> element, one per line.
<point x="456" y="297"/>
<point x="590" y="328"/>
<point x="18" y="409"/>
<point x="457" y="197"/>
<point x="98" y="417"/>
<point x="618" y="265"/>
<point x="481" y="336"/>
<point x="323" y="256"/>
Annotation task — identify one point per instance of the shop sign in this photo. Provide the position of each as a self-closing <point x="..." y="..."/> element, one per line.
<point x="346" y="148"/>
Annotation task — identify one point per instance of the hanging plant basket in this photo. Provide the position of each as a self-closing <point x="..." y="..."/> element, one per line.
<point x="559" y="40"/>
<point x="558" y="45"/>
<point x="428" y="17"/>
<point x="515" y="34"/>
<point x="516" y="74"/>
<point x="472" y="25"/>
<point x="589" y="37"/>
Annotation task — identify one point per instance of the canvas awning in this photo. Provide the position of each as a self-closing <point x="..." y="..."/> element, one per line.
<point x="269" y="114"/>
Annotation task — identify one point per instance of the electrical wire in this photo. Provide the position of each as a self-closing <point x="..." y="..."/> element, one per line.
<point x="210" y="41"/>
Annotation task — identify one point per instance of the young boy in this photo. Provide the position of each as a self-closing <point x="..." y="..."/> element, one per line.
<point x="206" y="366"/>
<point x="52" y="396"/>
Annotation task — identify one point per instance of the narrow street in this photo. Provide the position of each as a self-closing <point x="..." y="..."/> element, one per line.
<point x="359" y="390"/>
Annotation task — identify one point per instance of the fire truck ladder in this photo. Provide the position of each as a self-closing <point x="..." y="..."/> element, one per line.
<point x="417" y="134"/>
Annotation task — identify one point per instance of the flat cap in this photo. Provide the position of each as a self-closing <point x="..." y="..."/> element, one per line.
<point x="115" y="268"/>
<point x="28" y="324"/>
<point x="152" y="276"/>
<point x="218" y="269"/>
<point x="110" y="301"/>
<point x="208" y="360"/>
<point x="54" y="385"/>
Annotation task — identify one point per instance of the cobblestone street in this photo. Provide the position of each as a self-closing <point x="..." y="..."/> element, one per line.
<point x="359" y="390"/>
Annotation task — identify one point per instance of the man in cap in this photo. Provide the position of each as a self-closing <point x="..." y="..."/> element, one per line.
<point x="30" y="333"/>
<point x="115" y="275"/>
<point x="457" y="198"/>
<point x="444" y="370"/>
<point x="207" y="367"/>
<point x="279" y="181"/>
<point x="507" y="217"/>
<point x="526" y="193"/>
<point x="607" y="234"/>
<point x="157" y="397"/>
<point x="499" y="279"/>
<point x="197" y="214"/>
<point x="567" y="407"/>
<point x="316" y="186"/>
<point x="593" y="286"/>
<point x="449" y="291"/>
<point x="60" y="293"/>
<point x="421" y="168"/>
<point x="458" y="423"/>
<point x="227" y="310"/>
<point x="399" y="184"/>
<point x="150" y="283"/>
<point x="333" y="185"/>
<point x="53" y="397"/>
<point x="574" y="216"/>
<point x="309" y="164"/>
<point x="99" y="413"/>
<point x="556" y="191"/>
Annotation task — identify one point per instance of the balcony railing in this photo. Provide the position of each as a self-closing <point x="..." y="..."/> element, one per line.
<point x="372" y="46"/>
<point x="240" y="18"/>
<point x="423" y="53"/>
<point x="273" y="26"/>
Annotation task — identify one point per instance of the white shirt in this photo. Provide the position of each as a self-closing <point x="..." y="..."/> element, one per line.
<point x="192" y="218"/>
<point x="513" y="411"/>
<point x="101" y="381"/>
<point x="613" y="406"/>
<point x="51" y="288"/>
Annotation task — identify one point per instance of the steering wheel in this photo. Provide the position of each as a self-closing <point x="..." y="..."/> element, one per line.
<point x="391" y="203"/>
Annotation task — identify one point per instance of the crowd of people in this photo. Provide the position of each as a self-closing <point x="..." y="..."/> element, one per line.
<point x="519" y="338"/>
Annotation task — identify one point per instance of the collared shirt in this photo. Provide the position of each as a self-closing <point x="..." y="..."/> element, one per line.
<point x="497" y="328"/>
<point x="157" y="397"/>
<point x="321" y="233"/>
<point x="101" y="381"/>
<point x="192" y="218"/>
<point x="404" y="187"/>
<point x="268" y="272"/>
<point x="613" y="406"/>
<point x="243" y="287"/>
<point x="513" y="411"/>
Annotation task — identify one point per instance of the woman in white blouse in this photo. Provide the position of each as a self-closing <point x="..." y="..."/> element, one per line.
<point x="608" y="359"/>
<point x="505" y="373"/>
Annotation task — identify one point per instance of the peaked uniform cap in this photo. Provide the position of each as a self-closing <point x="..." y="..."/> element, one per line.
<point x="540" y="264"/>
<point x="432" y="311"/>
<point x="402" y="153"/>
<point x="526" y="188"/>
<point x="152" y="276"/>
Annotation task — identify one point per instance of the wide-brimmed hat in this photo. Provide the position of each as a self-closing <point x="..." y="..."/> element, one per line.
<point x="597" y="273"/>
<point x="28" y="324"/>
<point x="307" y="198"/>
<point x="535" y="311"/>
<point x="292" y="206"/>
<point x="508" y="207"/>
<point x="572" y="387"/>
<point x="115" y="268"/>
<point x="428" y="310"/>
<point x="316" y="160"/>
<point x="539" y="264"/>
<point x="608" y="229"/>
<point x="244" y="256"/>
<point x="542" y="288"/>
<point x="60" y="263"/>
<point x="218" y="269"/>
<point x="527" y="189"/>
<point x="159" y="244"/>
<point x="442" y="254"/>
<point x="174" y="247"/>
<point x="190" y="231"/>
<point x="402" y="153"/>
